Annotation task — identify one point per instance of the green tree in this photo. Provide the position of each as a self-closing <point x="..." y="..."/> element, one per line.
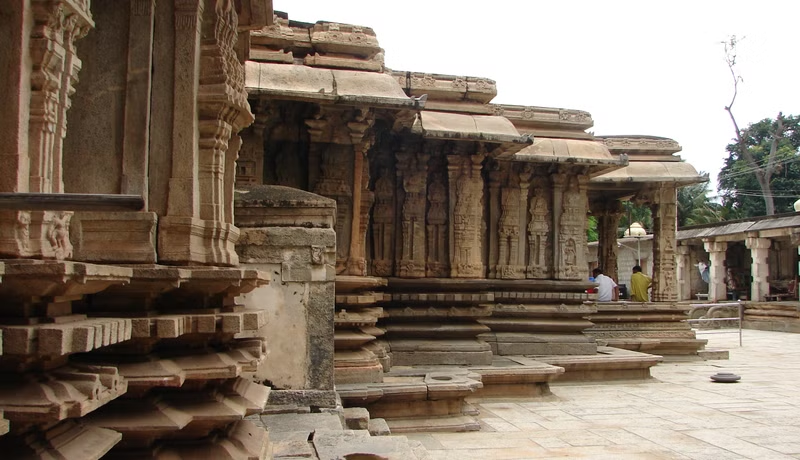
<point x="739" y="181"/>
<point x="695" y="207"/>
<point x="591" y="230"/>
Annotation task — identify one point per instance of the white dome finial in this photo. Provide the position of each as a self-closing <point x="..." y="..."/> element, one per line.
<point x="636" y="230"/>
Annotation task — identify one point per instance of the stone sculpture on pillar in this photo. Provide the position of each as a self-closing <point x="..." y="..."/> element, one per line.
<point x="572" y="230"/>
<point x="413" y="169"/>
<point x="665" y="227"/>
<point x="466" y="197"/>
<point x="46" y="87"/>
<point x="540" y="254"/>
<point x="509" y="265"/>
<point x="436" y="265"/>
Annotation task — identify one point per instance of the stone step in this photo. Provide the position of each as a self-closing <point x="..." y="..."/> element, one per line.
<point x="356" y="418"/>
<point x="608" y="363"/>
<point x="378" y="427"/>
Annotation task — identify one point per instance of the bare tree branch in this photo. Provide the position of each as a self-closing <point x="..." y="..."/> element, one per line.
<point x="763" y="174"/>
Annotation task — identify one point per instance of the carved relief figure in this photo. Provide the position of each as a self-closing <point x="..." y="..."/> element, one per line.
<point x="412" y="258"/>
<point x="539" y="236"/>
<point x="509" y="233"/>
<point x="437" y="228"/>
<point x="58" y="236"/>
<point x="467" y="215"/>
<point x="383" y="224"/>
<point x="572" y="231"/>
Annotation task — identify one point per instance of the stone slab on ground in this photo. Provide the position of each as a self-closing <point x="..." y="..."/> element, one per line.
<point x="335" y="445"/>
<point x="304" y="423"/>
<point x="608" y="363"/>
<point x="713" y="353"/>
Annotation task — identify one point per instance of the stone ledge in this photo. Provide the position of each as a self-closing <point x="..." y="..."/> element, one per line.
<point x="68" y="440"/>
<point x="67" y="392"/>
<point x="41" y="340"/>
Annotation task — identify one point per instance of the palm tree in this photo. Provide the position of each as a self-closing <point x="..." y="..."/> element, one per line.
<point x="695" y="207"/>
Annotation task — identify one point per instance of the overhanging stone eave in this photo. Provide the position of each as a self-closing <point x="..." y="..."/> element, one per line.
<point x="489" y="129"/>
<point x="302" y="96"/>
<point x="595" y="166"/>
<point x="325" y="86"/>
<point x="680" y="182"/>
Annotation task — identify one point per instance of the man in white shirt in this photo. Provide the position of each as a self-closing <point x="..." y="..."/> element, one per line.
<point x="607" y="288"/>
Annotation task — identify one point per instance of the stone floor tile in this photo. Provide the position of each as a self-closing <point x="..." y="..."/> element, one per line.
<point x="738" y="446"/>
<point x="485" y="454"/>
<point x="427" y="440"/>
<point x="499" y="424"/>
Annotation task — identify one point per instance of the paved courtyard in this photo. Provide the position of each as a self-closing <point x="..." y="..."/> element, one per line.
<point x="679" y="414"/>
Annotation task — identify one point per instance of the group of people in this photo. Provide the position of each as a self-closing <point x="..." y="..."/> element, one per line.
<point x="607" y="289"/>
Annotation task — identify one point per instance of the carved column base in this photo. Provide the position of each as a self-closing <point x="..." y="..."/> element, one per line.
<point x="437" y="269"/>
<point x="357" y="266"/>
<point x="118" y="237"/>
<point x="537" y="272"/>
<point x="382" y="267"/>
<point x="511" y="272"/>
<point x="188" y="241"/>
<point x="410" y="269"/>
<point x="467" y="271"/>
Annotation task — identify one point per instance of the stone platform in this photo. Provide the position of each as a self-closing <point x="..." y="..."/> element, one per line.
<point x="654" y="327"/>
<point x="772" y="316"/>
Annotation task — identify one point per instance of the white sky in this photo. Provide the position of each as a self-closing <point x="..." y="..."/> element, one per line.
<point x="639" y="67"/>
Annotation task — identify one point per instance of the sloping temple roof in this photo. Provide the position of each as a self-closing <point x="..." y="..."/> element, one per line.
<point x="577" y="151"/>
<point x="303" y="83"/>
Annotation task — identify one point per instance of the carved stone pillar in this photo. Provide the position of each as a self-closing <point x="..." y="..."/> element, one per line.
<point x="572" y="226"/>
<point x="716" y="271"/>
<point x="665" y="227"/>
<point x="383" y="218"/>
<point x="413" y="175"/>
<point x="136" y="144"/>
<point x="466" y="204"/>
<point x="210" y="107"/>
<point x="498" y="173"/>
<point x="332" y="184"/>
<point x="41" y="70"/>
<point x="437" y="265"/>
<point x="759" y="271"/>
<point x="363" y="199"/>
<point x="684" y="269"/>
<point x="540" y="249"/>
<point x="608" y="215"/>
<point x="509" y="263"/>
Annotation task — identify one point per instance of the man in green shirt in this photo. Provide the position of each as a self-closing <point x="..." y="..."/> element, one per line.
<point x="639" y="285"/>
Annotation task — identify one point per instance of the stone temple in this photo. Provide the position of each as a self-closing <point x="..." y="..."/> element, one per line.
<point x="223" y="231"/>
